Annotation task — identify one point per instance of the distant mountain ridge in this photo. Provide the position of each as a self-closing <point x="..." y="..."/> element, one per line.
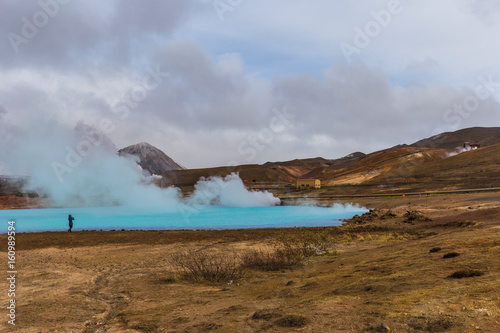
<point x="398" y="163"/>
<point x="485" y="136"/>
<point x="151" y="158"/>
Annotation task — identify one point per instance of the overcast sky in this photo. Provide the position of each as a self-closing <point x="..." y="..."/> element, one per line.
<point x="248" y="81"/>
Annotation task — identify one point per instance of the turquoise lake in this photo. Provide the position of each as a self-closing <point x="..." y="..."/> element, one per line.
<point x="210" y="217"/>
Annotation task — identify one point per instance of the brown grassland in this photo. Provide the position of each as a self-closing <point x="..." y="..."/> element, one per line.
<point x="392" y="266"/>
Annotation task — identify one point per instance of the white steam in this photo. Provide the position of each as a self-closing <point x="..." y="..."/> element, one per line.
<point x="80" y="167"/>
<point x="229" y="192"/>
<point x="460" y="150"/>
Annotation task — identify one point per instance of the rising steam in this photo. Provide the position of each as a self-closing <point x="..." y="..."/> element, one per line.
<point x="229" y="192"/>
<point x="80" y="167"/>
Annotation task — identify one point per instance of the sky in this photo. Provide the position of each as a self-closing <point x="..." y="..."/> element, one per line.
<point x="227" y="82"/>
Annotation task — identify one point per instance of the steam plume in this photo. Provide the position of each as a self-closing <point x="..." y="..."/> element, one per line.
<point x="80" y="167"/>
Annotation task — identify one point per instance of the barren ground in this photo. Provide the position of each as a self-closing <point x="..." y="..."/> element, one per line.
<point x="382" y="271"/>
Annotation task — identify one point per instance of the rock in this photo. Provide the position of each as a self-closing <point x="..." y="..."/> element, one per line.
<point x="416" y="216"/>
<point x="262" y="314"/>
<point x="451" y="255"/>
<point x="289" y="283"/>
<point x="383" y="328"/>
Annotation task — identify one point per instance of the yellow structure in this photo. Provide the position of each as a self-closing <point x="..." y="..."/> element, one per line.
<point x="308" y="183"/>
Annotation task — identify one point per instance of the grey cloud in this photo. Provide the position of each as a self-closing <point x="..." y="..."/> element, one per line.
<point x="359" y="103"/>
<point x="427" y="64"/>
<point x="92" y="53"/>
<point x="199" y="94"/>
<point x="483" y="9"/>
<point x="74" y="33"/>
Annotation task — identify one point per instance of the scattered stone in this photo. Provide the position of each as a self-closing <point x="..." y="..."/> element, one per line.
<point x="366" y="217"/>
<point x="265" y="314"/>
<point x="426" y="324"/>
<point x="435" y="249"/>
<point x="465" y="273"/>
<point x="416" y="216"/>
<point x="383" y="328"/>
<point x="388" y="215"/>
<point x="451" y="255"/>
<point x="460" y="224"/>
<point x="289" y="283"/>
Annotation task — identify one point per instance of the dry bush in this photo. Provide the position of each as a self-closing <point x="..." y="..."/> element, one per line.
<point x="291" y="248"/>
<point x="305" y="242"/>
<point x="292" y="321"/>
<point x="203" y="266"/>
<point x="271" y="260"/>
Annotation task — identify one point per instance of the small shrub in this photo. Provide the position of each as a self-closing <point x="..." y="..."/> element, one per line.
<point x="146" y="327"/>
<point x="19" y="194"/>
<point x="347" y="237"/>
<point x="168" y="280"/>
<point x="33" y="195"/>
<point x="305" y="241"/>
<point x="272" y="261"/>
<point x="465" y="273"/>
<point x="202" y="266"/>
<point x="266" y="314"/>
<point x="292" y="321"/>
<point x="435" y="249"/>
<point x="427" y="324"/>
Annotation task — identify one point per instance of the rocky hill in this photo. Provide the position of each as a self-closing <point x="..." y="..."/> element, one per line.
<point x="151" y="158"/>
<point x="485" y="136"/>
<point x="409" y="166"/>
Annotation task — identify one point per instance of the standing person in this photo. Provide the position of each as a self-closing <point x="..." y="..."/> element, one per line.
<point x="70" y="220"/>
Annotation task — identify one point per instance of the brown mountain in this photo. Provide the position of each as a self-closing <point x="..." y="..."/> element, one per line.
<point x="428" y="162"/>
<point x="379" y="164"/>
<point x="485" y="136"/>
<point x="300" y="168"/>
<point x="265" y="175"/>
<point x="151" y="158"/>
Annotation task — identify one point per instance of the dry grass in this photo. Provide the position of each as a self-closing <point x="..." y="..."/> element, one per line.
<point x="271" y="260"/>
<point x="125" y="281"/>
<point x="204" y="266"/>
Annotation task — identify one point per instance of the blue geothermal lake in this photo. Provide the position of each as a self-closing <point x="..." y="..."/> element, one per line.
<point x="211" y="217"/>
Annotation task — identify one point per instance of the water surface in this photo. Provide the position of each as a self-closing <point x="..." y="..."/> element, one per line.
<point x="211" y="217"/>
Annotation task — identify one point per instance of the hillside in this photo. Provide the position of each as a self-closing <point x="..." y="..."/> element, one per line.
<point x="428" y="163"/>
<point x="479" y="168"/>
<point x="252" y="173"/>
<point x="151" y="158"/>
<point x="301" y="167"/>
<point x="377" y="165"/>
<point x="393" y="171"/>
<point x="261" y="175"/>
<point x="485" y="136"/>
